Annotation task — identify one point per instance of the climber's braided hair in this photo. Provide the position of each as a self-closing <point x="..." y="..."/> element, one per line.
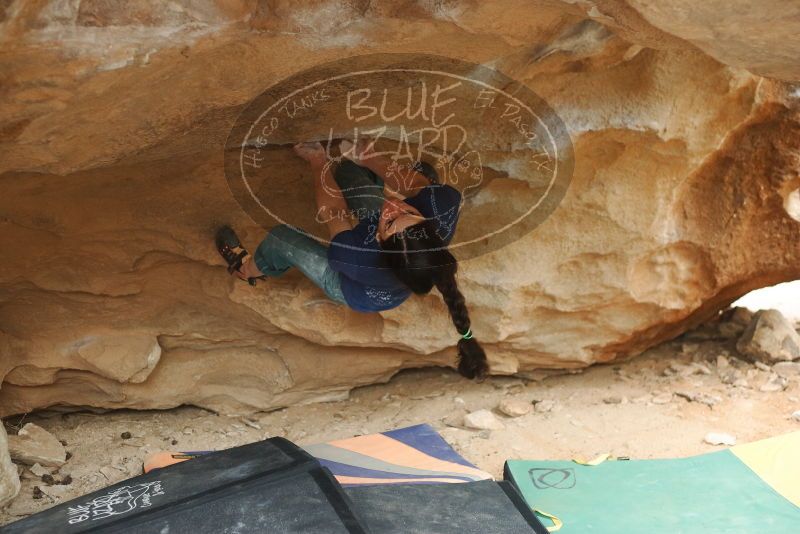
<point x="420" y="259"/>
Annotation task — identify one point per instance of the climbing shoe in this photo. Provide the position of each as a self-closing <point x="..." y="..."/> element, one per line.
<point x="232" y="251"/>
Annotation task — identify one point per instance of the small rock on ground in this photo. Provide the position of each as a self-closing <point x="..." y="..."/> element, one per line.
<point x="787" y="369"/>
<point x="734" y="322"/>
<point x="40" y="471"/>
<point x="482" y="420"/>
<point x="770" y="337"/>
<point x="701" y="398"/>
<point x="664" y="398"/>
<point x="9" y="477"/>
<point x="33" y="444"/>
<point x="774" y="384"/>
<point x="720" y="438"/>
<point x="54" y="492"/>
<point x="741" y="383"/>
<point x="741" y="316"/>
<point x="514" y="407"/>
<point x="544" y="406"/>
<point x="111" y="474"/>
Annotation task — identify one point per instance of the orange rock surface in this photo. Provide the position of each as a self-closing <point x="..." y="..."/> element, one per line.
<point x="683" y="118"/>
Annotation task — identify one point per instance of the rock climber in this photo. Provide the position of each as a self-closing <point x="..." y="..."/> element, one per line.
<point x="389" y="229"/>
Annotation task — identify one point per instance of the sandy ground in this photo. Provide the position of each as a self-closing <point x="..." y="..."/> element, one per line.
<point x="627" y="409"/>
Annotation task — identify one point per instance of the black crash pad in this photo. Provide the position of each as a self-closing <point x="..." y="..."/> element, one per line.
<point x="469" y="508"/>
<point x="269" y="486"/>
<point x="273" y="486"/>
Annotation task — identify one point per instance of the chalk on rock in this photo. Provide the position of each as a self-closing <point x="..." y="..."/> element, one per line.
<point x="720" y="438"/>
<point x="33" y="444"/>
<point x="482" y="420"/>
<point x="796" y="416"/>
<point x="770" y="337"/>
<point x="514" y="407"/>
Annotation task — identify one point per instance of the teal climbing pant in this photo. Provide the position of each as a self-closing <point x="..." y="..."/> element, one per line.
<point x="286" y="247"/>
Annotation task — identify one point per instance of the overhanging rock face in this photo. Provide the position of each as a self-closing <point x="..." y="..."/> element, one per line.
<point x="111" y="133"/>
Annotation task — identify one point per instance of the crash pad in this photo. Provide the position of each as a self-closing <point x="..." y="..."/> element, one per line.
<point x="747" y="488"/>
<point x="411" y="455"/>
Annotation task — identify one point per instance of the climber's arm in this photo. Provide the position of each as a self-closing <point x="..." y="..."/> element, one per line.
<point x="399" y="180"/>
<point x="331" y="205"/>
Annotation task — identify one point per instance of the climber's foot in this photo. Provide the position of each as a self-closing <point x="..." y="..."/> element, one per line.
<point x="234" y="254"/>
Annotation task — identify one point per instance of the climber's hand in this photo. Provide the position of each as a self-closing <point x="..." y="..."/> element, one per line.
<point x="312" y="152"/>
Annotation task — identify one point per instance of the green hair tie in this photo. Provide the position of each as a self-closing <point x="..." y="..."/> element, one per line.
<point x="467" y="334"/>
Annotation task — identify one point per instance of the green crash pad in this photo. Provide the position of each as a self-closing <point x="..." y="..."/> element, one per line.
<point x="711" y="493"/>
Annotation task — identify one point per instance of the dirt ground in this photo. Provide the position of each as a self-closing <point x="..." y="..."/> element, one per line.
<point x="636" y="408"/>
